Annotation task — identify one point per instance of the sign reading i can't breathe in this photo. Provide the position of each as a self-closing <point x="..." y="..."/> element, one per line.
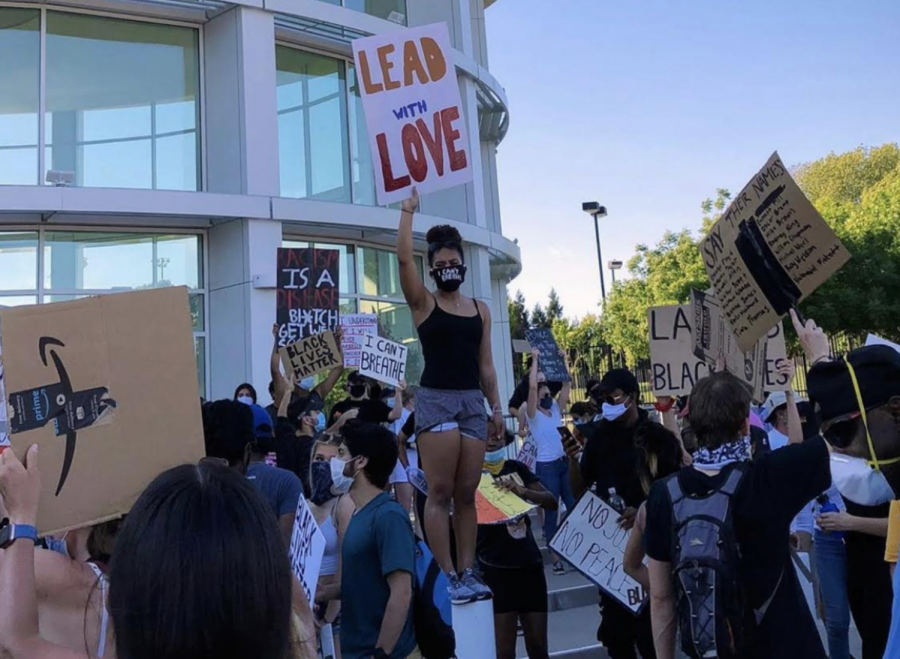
<point x="308" y="292"/>
<point x="382" y="360"/>
<point x="413" y="109"/>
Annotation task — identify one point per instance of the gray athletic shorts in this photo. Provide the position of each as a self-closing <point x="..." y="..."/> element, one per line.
<point x="440" y="410"/>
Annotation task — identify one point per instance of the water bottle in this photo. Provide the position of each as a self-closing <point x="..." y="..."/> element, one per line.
<point x="615" y="500"/>
<point x="828" y="506"/>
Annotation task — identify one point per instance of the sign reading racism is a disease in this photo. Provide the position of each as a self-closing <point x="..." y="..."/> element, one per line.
<point x="417" y="128"/>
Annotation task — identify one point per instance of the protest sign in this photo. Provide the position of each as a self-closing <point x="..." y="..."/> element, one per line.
<point x="496" y="506"/>
<point x="521" y="347"/>
<point x="311" y="355"/>
<point x="551" y="363"/>
<point x="776" y="355"/>
<point x="355" y="326"/>
<point x="528" y="453"/>
<point x="307" y="549"/>
<point x="673" y="366"/>
<point x="4" y="433"/>
<point x="769" y="251"/>
<point x="592" y="542"/>
<point x="874" y="340"/>
<point x="417" y="128"/>
<point x="383" y="360"/>
<point x="107" y="387"/>
<point x="307" y="292"/>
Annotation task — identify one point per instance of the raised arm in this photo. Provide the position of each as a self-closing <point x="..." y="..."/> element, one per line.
<point x="325" y="386"/>
<point x="487" y="371"/>
<point x="533" y="385"/>
<point x="280" y="382"/>
<point x="413" y="289"/>
<point x="566" y="394"/>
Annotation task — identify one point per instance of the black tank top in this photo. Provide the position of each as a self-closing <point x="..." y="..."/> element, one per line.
<point x="451" y="346"/>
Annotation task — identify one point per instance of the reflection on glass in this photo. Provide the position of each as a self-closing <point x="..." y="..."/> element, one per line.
<point x="380" y="272"/>
<point x="360" y="153"/>
<point x="313" y="141"/>
<point x="62" y="298"/>
<point x="347" y="263"/>
<point x="200" y="356"/>
<point x="392" y="10"/>
<point x="20" y="52"/>
<point x="119" y="261"/>
<point x="198" y="319"/>
<point x="18" y="261"/>
<point x="395" y="322"/>
<point x="17" y="300"/>
<point x="348" y="305"/>
<point x="122" y="102"/>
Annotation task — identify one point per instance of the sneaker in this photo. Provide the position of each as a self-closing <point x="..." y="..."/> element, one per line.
<point x="475" y="583"/>
<point x="460" y="593"/>
<point x="559" y="568"/>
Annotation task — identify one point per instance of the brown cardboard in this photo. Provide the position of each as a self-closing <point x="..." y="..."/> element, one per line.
<point x="776" y="354"/>
<point x="139" y="346"/>
<point x="674" y="369"/>
<point x="311" y="355"/>
<point x="521" y="346"/>
<point x="782" y="229"/>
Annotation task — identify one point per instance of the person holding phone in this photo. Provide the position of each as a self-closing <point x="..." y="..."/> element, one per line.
<point x="552" y="467"/>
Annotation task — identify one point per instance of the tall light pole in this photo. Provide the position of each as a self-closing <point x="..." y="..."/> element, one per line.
<point x="597" y="211"/>
<point x="613" y="266"/>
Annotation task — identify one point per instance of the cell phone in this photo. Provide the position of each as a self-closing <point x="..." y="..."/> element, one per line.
<point x="567" y="435"/>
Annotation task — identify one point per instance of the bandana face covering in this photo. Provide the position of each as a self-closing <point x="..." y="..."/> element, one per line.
<point x="450" y="277"/>
<point x="321" y="483"/>
<point x="726" y="454"/>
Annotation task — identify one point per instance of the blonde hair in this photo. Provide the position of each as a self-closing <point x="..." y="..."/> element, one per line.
<point x="323" y="440"/>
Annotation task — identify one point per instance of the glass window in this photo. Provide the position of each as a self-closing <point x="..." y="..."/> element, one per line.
<point x="122" y="102"/>
<point x="380" y="272"/>
<point x="360" y="153"/>
<point x="200" y="356"/>
<point x="18" y="261"/>
<point x="20" y="52"/>
<point x="392" y="10"/>
<point x="17" y="300"/>
<point x="313" y="140"/>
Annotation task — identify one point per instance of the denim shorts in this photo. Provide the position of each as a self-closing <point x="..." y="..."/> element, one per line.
<point x="440" y="410"/>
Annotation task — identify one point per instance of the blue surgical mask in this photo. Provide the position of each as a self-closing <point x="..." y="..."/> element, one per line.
<point x="389" y="402"/>
<point x="320" y="424"/>
<point x="246" y="400"/>
<point x="495" y="456"/>
<point x="614" y="412"/>
<point x="308" y="384"/>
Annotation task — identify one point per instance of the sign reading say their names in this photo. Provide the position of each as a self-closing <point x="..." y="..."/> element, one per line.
<point x="673" y="366"/>
<point x="551" y="363"/>
<point x="311" y="355"/>
<point x="307" y="549"/>
<point x="383" y="360"/>
<point x="417" y="128"/>
<point x="356" y="326"/>
<point x="592" y="542"/>
<point x="768" y="252"/>
<point x="307" y="295"/>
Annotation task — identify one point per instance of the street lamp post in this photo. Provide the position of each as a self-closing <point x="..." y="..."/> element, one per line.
<point x="613" y="266"/>
<point x="597" y="211"/>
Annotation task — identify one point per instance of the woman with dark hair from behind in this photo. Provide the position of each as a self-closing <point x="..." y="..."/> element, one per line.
<point x="200" y="570"/>
<point x="451" y="425"/>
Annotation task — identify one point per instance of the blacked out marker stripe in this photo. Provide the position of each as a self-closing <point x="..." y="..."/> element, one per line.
<point x="768" y="201"/>
<point x="779" y="289"/>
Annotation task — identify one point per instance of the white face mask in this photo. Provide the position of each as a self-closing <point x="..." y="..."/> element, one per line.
<point x="613" y="412"/>
<point x="320" y="424"/>
<point x="495" y="456"/>
<point x="246" y="400"/>
<point x="341" y="483"/>
<point x="307" y="384"/>
<point x="858" y="482"/>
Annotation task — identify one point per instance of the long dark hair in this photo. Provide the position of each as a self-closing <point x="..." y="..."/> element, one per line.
<point x="659" y="453"/>
<point x="201" y="571"/>
<point x="249" y="387"/>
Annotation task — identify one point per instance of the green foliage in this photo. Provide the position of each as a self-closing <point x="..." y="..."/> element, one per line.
<point x="554" y="307"/>
<point x="518" y="316"/>
<point x="539" y="317"/>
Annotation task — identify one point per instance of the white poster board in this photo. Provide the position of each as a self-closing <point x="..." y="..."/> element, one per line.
<point x="590" y="540"/>
<point x="528" y="453"/>
<point x="674" y="367"/>
<point x="356" y="326"/>
<point x="414" y="113"/>
<point x="4" y="436"/>
<point x="383" y="360"/>
<point x="307" y="549"/>
<point x="875" y="340"/>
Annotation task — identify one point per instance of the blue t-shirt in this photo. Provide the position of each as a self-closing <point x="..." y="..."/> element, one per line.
<point x="893" y="644"/>
<point x="280" y="487"/>
<point x="379" y="541"/>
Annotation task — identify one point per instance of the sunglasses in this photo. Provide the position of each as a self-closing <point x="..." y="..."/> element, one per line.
<point x="613" y="400"/>
<point x="840" y="431"/>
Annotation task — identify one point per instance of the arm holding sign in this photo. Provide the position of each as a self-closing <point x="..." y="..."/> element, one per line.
<point x="533" y="385"/>
<point x="566" y="392"/>
<point x="813" y="339"/>
<point x="410" y="281"/>
<point x="325" y="386"/>
<point x="534" y="493"/>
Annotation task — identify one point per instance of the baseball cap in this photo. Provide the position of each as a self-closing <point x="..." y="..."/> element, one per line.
<point x="877" y="371"/>
<point x="619" y="378"/>
<point x="775" y="400"/>
<point x="262" y="422"/>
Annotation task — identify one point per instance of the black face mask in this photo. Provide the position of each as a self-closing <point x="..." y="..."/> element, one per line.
<point x="546" y="403"/>
<point x="321" y="483"/>
<point x="450" y="277"/>
<point x="357" y="390"/>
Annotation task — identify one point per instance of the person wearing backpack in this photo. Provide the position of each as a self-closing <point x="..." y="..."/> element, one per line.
<point x="718" y="538"/>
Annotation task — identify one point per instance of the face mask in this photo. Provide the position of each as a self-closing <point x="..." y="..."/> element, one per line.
<point x="613" y="412"/>
<point x="495" y="456"/>
<point x="320" y="424"/>
<point x="859" y="482"/>
<point x="578" y="422"/>
<point x="308" y="384"/>
<point x="389" y="402"/>
<point x="321" y="483"/>
<point x="341" y="484"/>
<point x="546" y="403"/>
<point x="449" y="278"/>
<point x="357" y="390"/>
<point x="246" y="400"/>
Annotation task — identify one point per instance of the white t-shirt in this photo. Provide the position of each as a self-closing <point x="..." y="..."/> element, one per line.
<point x="544" y="430"/>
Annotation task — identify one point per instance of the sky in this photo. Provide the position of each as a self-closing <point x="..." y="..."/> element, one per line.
<point x="649" y="106"/>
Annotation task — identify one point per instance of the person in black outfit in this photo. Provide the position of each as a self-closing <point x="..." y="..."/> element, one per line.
<point x="371" y="408"/>
<point x="609" y="462"/>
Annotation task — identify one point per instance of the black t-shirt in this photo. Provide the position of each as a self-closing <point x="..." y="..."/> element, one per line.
<point x="409" y="427"/>
<point x="370" y="411"/>
<point x="496" y="546"/>
<point x="292" y="452"/>
<point x="774" y="489"/>
<point x="610" y="460"/>
<point x="520" y="395"/>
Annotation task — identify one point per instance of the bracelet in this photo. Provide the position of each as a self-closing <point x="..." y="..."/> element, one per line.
<point x="821" y="359"/>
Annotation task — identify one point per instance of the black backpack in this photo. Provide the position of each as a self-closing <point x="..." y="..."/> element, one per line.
<point x="714" y="617"/>
<point x="431" y="607"/>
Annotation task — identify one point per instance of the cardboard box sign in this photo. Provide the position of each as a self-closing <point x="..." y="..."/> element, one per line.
<point x="107" y="387"/>
<point x="674" y="368"/>
<point x="311" y="355"/>
<point x="414" y="113"/>
<point x="769" y="251"/>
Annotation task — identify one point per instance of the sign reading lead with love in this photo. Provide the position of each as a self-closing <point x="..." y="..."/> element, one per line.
<point x="417" y="130"/>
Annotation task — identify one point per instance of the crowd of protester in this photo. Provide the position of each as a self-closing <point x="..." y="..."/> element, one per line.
<point x="726" y="499"/>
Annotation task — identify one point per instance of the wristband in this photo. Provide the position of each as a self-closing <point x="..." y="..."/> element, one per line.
<point x="665" y="407"/>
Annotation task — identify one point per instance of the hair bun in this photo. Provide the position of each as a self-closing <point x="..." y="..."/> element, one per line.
<point x="442" y="234"/>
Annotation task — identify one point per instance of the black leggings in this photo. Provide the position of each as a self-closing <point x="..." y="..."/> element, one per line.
<point x="624" y="634"/>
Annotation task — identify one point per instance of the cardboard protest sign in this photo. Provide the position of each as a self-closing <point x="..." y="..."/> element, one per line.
<point x="496" y="506"/>
<point x="307" y="549"/>
<point x="528" y="453"/>
<point x="410" y="94"/>
<point x="591" y="541"/>
<point x="769" y="251"/>
<point x="871" y="340"/>
<point x="383" y="360"/>
<point x="674" y="367"/>
<point x="311" y="355"/>
<point x="308" y="291"/>
<point x="355" y="326"/>
<point x="521" y="347"/>
<point x="776" y="355"/>
<point x="551" y="362"/>
<point x="4" y="431"/>
<point x="107" y="387"/>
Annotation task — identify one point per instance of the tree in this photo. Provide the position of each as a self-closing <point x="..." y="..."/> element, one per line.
<point x="518" y="316"/>
<point x="539" y="317"/>
<point x="554" y="307"/>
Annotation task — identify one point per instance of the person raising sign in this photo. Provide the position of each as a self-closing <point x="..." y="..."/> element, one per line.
<point x="451" y="424"/>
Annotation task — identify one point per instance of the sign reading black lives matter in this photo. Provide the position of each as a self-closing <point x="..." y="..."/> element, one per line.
<point x="673" y="366"/>
<point x="307" y="549"/>
<point x="551" y="362"/>
<point x="308" y="292"/>
<point x="769" y="251"/>
<point x="592" y="542"/>
<point x="311" y="355"/>
<point x="382" y="360"/>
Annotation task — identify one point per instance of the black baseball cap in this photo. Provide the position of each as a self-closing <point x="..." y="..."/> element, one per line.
<point x="877" y="370"/>
<point x="619" y="378"/>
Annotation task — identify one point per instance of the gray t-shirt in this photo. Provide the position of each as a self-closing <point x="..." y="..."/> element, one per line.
<point x="280" y="487"/>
